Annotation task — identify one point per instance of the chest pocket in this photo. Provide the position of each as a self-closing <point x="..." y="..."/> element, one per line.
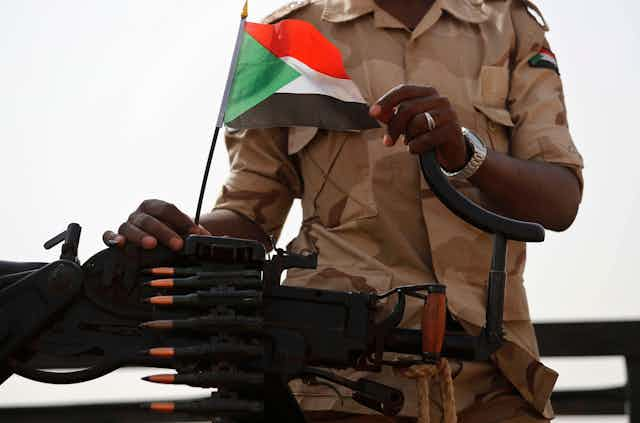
<point x="336" y="173"/>
<point x="494" y="120"/>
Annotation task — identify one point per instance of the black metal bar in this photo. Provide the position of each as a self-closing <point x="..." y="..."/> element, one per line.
<point x="409" y="341"/>
<point x="495" y="289"/>
<point x="633" y="385"/>
<point x="588" y="338"/>
<point x="71" y="242"/>
<point x="590" y="402"/>
<point x="9" y="268"/>
<point x="580" y="339"/>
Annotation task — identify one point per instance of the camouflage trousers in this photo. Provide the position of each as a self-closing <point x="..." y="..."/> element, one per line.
<point x="483" y="395"/>
<point x="507" y="409"/>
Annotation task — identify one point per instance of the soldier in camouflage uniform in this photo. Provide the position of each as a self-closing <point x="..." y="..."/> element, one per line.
<point x="370" y="216"/>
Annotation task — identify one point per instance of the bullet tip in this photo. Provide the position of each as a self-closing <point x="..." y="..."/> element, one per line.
<point x="166" y="379"/>
<point x="160" y="271"/>
<point x="161" y="300"/>
<point x="160" y="283"/>
<point x="163" y="407"/>
<point x="162" y="352"/>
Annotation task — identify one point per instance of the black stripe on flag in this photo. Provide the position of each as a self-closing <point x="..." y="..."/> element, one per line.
<point x="314" y="110"/>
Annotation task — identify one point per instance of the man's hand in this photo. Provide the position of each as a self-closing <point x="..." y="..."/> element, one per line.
<point x="535" y="191"/>
<point x="155" y="221"/>
<point x="403" y="111"/>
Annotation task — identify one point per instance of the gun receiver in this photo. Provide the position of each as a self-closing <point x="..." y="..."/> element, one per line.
<point x="217" y="314"/>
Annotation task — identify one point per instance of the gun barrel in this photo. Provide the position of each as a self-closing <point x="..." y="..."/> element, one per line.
<point x="409" y="341"/>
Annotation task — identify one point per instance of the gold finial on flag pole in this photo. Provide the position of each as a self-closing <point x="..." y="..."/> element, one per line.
<point x="245" y="10"/>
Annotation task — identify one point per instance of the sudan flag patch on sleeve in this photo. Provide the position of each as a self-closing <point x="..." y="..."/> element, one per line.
<point x="545" y="59"/>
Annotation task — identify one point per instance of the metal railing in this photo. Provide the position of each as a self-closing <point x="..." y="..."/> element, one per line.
<point x="581" y="339"/>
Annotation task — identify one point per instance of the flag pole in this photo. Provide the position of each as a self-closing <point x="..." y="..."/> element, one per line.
<point x="223" y="106"/>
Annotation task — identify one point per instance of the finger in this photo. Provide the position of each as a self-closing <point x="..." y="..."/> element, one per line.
<point x="202" y="230"/>
<point x="112" y="239"/>
<point x="430" y="140"/>
<point x="383" y="109"/>
<point x="137" y="236"/>
<point x="407" y="110"/>
<point x="169" y="214"/>
<point x="419" y="125"/>
<point x="157" y="229"/>
<point x="199" y="230"/>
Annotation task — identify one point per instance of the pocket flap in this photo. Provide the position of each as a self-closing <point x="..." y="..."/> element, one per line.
<point x="299" y="137"/>
<point x="497" y="114"/>
<point x="494" y="86"/>
<point x="340" y="278"/>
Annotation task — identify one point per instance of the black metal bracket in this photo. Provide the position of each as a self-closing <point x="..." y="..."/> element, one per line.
<point x="71" y="240"/>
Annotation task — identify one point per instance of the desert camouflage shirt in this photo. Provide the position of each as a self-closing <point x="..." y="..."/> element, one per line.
<point x="367" y="211"/>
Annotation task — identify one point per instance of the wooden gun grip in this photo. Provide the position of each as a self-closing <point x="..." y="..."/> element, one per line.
<point x="434" y="315"/>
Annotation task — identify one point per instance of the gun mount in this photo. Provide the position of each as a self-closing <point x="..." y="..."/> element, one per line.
<point x="217" y="314"/>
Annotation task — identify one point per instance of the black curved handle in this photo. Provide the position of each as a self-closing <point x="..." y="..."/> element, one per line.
<point x="473" y="213"/>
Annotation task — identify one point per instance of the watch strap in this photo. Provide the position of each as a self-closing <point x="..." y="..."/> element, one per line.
<point x="476" y="158"/>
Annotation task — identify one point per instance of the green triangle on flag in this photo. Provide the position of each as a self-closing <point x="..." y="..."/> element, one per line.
<point x="259" y="75"/>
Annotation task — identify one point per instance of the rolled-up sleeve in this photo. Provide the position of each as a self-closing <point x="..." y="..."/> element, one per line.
<point x="263" y="179"/>
<point x="536" y="101"/>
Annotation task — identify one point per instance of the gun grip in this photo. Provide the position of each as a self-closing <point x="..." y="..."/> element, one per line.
<point x="434" y="313"/>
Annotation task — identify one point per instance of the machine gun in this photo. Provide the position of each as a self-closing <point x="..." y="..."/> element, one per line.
<point x="217" y="314"/>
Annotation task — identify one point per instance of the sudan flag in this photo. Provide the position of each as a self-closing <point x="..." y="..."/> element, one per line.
<point x="289" y="74"/>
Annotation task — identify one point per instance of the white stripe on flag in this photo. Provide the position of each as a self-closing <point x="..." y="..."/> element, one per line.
<point x="314" y="82"/>
<point x="548" y="58"/>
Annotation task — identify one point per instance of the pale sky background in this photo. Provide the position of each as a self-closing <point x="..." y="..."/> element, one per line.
<point x="106" y="103"/>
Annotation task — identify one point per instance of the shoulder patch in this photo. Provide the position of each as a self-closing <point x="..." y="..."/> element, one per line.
<point x="536" y="14"/>
<point x="286" y="10"/>
<point x="545" y="59"/>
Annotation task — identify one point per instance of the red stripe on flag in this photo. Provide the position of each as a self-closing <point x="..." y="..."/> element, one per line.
<point x="301" y="40"/>
<point x="547" y="52"/>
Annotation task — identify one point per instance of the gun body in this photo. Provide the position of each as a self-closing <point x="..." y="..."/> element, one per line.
<point x="217" y="314"/>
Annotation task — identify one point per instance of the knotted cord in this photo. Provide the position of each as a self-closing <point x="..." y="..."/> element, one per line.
<point x="423" y="374"/>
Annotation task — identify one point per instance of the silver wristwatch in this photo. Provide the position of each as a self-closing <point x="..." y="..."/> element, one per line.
<point x="478" y="155"/>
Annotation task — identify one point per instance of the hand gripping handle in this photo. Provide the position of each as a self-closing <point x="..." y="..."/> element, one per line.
<point x="471" y="212"/>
